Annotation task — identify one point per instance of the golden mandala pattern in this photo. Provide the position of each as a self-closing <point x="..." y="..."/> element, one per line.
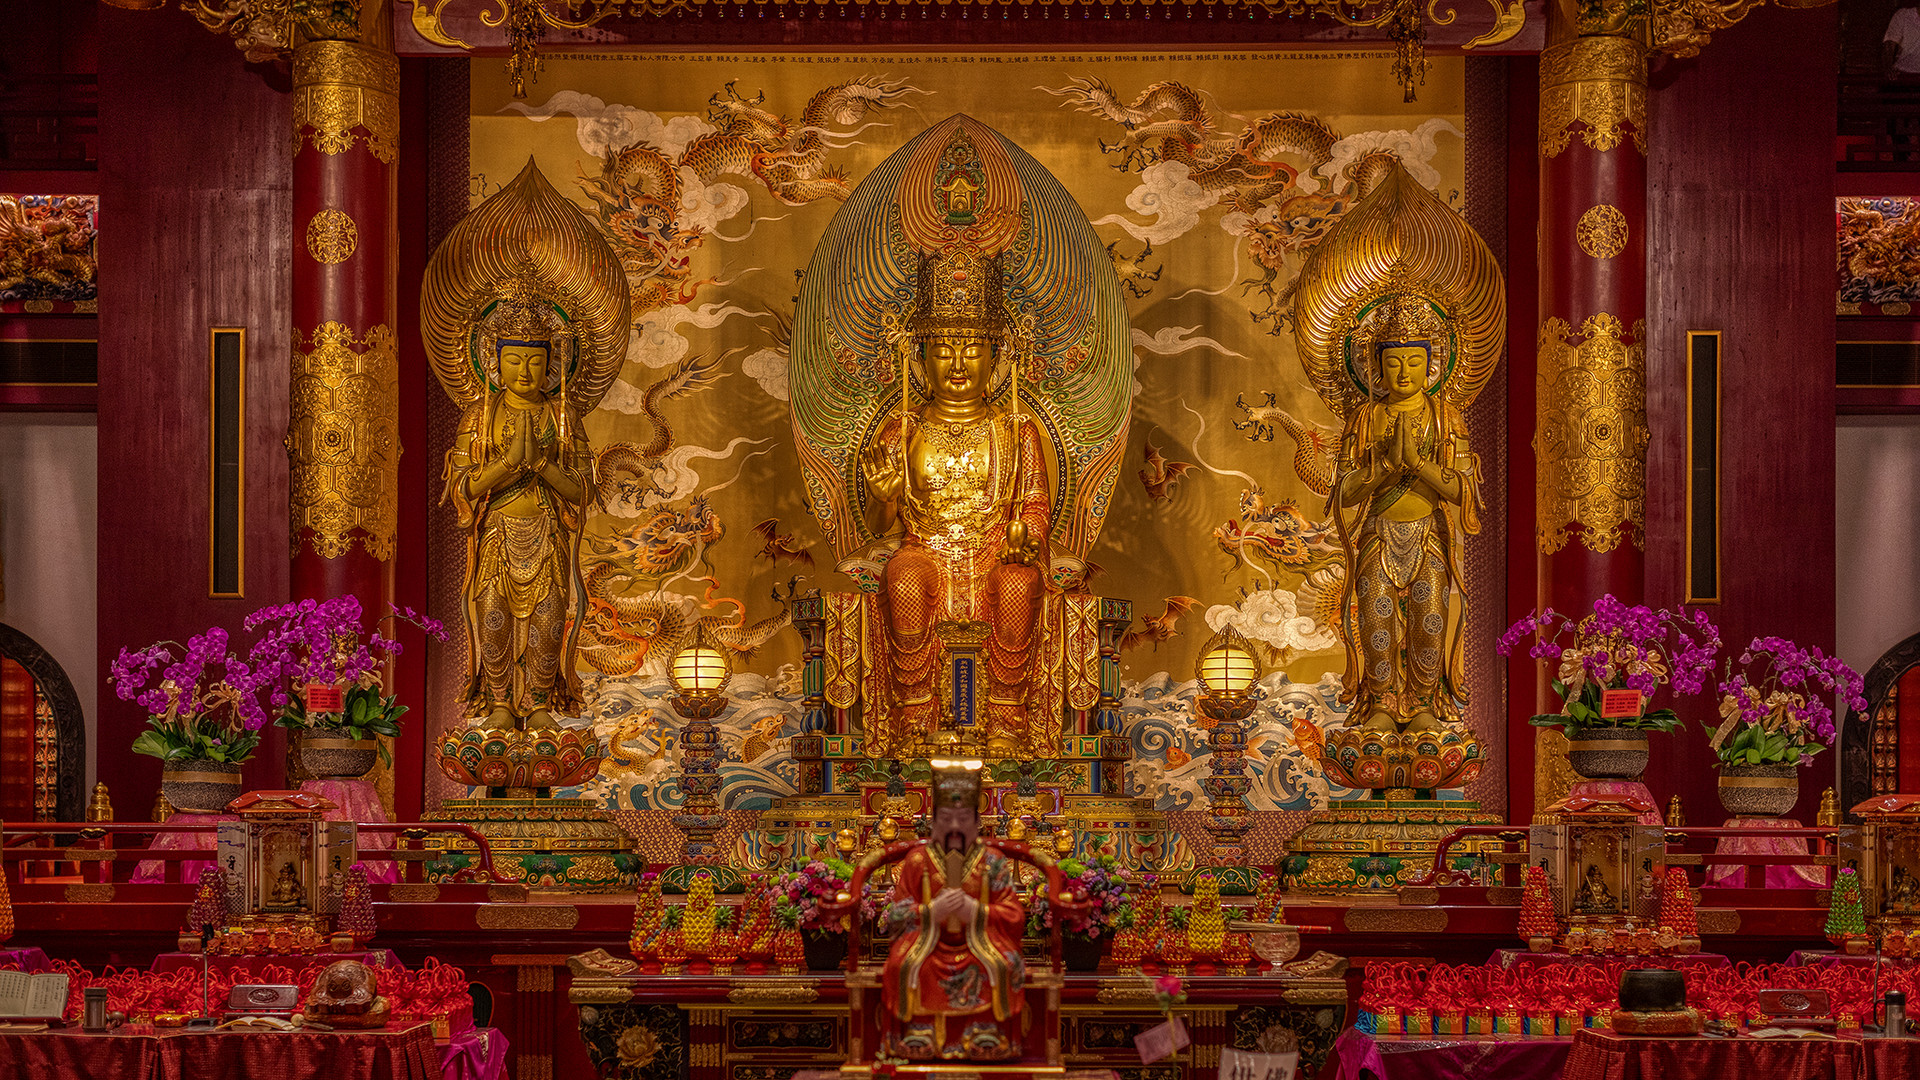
<point x="1599" y="82"/>
<point x="342" y="441"/>
<point x="1602" y="231"/>
<point x="332" y="237"/>
<point x="1591" y="442"/>
<point x="344" y="92"/>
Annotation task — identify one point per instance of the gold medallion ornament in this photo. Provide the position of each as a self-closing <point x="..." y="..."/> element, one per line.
<point x="344" y="93"/>
<point x="1599" y="83"/>
<point x="1591" y="444"/>
<point x="342" y="446"/>
<point x="332" y="237"/>
<point x="1602" y="231"/>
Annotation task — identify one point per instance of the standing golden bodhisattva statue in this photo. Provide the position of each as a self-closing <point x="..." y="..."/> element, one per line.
<point x="968" y="486"/>
<point x="525" y="313"/>
<point x="1400" y="317"/>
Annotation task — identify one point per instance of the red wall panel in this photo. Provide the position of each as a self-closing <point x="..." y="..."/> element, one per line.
<point x="1740" y="239"/>
<point x="195" y="231"/>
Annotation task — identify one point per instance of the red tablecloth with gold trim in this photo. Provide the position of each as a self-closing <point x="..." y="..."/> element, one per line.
<point x="1599" y="1055"/>
<point x="1358" y="1056"/>
<point x="396" y="1053"/>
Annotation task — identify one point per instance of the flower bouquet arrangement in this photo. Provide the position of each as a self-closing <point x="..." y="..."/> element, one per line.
<point x="816" y="883"/>
<point x="1102" y="883"/>
<point x="1617" y="647"/>
<point x="204" y="705"/>
<point x="1774" y="703"/>
<point x="323" y="673"/>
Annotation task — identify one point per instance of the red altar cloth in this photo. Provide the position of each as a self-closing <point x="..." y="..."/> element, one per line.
<point x="174" y="961"/>
<point x="353" y="800"/>
<point x="1359" y="1056"/>
<point x="1892" y="1059"/>
<point x="1599" y="1055"/>
<point x="1602" y="788"/>
<point x="1512" y="958"/>
<point x="1778" y="877"/>
<point x="401" y="1052"/>
<point x="1824" y="958"/>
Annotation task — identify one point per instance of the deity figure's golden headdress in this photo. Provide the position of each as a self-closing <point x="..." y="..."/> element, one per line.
<point x="526" y="265"/>
<point x="1400" y="267"/>
<point x="956" y="783"/>
<point x="959" y="291"/>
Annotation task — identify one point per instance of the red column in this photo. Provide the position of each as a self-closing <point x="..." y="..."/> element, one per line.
<point x="342" y="439"/>
<point x="1590" y="436"/>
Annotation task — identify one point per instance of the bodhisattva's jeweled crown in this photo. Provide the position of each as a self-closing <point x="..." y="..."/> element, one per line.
<point x="959" y="293"/>
<point x="955" y="784"/>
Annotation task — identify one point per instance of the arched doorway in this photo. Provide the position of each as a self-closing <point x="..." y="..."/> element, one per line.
<point x="1872" y="760"/>
<point x="43" y="735"/>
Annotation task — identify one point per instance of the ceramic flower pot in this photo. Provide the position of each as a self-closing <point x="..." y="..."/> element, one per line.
<point x="1082" y="953"/>
<point x="330" y="753"/>
<point x="1608" y="753"/>
<point x="1759" y="790"/>
<point x="200" y="785"/>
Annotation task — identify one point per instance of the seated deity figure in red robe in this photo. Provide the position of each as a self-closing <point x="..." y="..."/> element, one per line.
<point x="954" y="981"/>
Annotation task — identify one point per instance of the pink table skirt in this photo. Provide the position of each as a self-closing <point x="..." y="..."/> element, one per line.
<point x="27" y="959"/>
<point x="1777" y="877"/>
<point x="475" y="1054"/>
<point x="1595" y="789"/>
<point x="353" y="800"/>
<point x="1359" y="1056"/>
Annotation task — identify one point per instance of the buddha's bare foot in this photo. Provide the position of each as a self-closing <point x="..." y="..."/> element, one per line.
<point x="1424" y="721"/>
<point x="1380" y="721"/>
<point x="500" y="717"/>
<point x="541" y="720"/>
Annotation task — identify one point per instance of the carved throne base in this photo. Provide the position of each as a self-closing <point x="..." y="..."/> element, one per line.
<point x="1368" y="846"/>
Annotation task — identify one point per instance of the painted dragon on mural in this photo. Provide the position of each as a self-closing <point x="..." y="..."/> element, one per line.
<point x="639" y="635"/>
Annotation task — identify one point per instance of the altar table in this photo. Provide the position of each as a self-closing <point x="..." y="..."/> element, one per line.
<point x="474" y="1054"/>
<point x="400" y="1052"/>
<point x="1600" y="1055"/>
<point x="1359" y="1056"/>
<point x="373" y="958"/>
<point x="1776" y="877"/>
<point x="1513" y="958"/>
<point x="353" y="800"/>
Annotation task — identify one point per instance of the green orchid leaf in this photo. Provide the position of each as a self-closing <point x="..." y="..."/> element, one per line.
<point x="151" y="743"/>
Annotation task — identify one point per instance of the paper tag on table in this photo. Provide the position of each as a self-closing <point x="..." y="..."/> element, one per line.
<point x="1161" y="1041"/>
<point x="1247" y="1065"/>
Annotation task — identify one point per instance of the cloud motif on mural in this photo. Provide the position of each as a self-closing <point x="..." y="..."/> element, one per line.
<point x="601" y="127"/>
<point x="768" y="367"/>
<point x="1170" y="750"/>
<point x="671" y="477"/>
<point x="1169" y="195"/>
<point x="657" y="342"/>
<point x="1415" y="149"/>
<point x="1272" y="617"/>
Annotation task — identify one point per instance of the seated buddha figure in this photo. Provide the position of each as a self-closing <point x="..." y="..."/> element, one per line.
<point x="953" y="984"/>
<point x="346" y="996"/>
<point x="966" y="483"/>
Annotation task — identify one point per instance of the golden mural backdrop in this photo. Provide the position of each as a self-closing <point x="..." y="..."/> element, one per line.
<point x="1208" y="177"/>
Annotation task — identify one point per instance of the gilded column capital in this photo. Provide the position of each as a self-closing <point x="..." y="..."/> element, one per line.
<point x="344" y="91"/>
<point x="343" y="445"/>
<point x="1597" y="81"/>
<point x="1591" y="442"/>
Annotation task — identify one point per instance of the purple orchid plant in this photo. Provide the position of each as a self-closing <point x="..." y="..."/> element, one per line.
<point x="1618" y="647"/>
<point x="1773" y="703"/>
<point x="320" y="643"/>
<point x="202" y="701"/>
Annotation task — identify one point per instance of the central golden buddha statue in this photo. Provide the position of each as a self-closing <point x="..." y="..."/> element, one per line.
<point x="967" y="485"/>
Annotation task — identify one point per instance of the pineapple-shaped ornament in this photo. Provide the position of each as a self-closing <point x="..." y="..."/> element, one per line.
<point x="1206" y="920"/>
<point x="1677" y="914"/>
<point x="672" y="948"/>
<point x="1177" y="947"/>
<point x="1537" y="922"/>
<point x="649" y="918"/>
<point x="1127" y="946"/>
<point x="1266" y="899"/>
<point x="209" y="908"/>
<point x="696" y="918"/>
<point x="724" y="952"/>
<point x="754" y="934"/>
<point x="356" y="925"/>
<point x="789" y="950"/>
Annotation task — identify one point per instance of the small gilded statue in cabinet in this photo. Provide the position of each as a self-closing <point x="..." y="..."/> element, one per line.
<point x="524" y="311"/>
